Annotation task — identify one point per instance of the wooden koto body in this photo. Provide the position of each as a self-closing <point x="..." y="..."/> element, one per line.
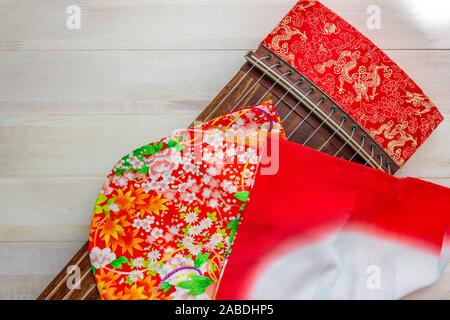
<point x="309" y="117"/>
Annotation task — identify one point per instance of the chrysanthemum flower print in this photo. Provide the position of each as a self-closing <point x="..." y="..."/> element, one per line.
<point x="167" y="215"/>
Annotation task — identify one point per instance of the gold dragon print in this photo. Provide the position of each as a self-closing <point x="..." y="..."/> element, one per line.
<point x="369" y="80"/>
<point x="284" y="33"/>
<point x="303" y="5"/>
<point x="330" y="28"/>
<point x="397" y="137"/>
<point x="357" y="75"/>
<point x="419" y="100"/>
<point x="362" y="81"/>
<point x="346" y="62"/>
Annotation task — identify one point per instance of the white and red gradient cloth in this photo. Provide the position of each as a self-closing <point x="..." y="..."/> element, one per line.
<point x="325" y="228"/>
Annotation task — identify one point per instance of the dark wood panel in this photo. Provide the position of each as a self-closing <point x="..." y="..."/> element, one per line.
<point x="82" y="289"/>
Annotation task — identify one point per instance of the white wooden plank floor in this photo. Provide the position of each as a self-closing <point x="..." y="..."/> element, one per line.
<point x="73" y="101"/>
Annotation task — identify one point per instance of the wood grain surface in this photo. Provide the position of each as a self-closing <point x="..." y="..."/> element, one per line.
<point x="72" y="102"/>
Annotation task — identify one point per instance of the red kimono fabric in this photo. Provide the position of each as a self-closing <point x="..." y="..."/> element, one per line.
<point x="324" y="228"/>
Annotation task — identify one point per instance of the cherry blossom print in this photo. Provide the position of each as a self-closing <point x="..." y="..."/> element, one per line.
<point x="166" y="218"/>
<point x="101" y="257"/>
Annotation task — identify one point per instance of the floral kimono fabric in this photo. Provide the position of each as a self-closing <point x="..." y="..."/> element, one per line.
<point x="168" y="212"/>
<point x="325" y="228"/>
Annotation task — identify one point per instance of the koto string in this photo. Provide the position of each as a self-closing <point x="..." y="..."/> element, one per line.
<point x="63" y="280"/>
<point x="92" y="287"/>
<point x="346" y="142"/>
<point x="69" y="293"/>
<point x="363" y="138"/>
<point x="380" y="167"/>
<point x="372" y="148"/>
<point x="307" y="116"/>
<point x="254" y="85"/>
<point x="289" y="91"/>
<point x="333" y="110"/>
<point x="334" y="133"/>
<point x="293" y="109"/>
<point x="235" y="86"/>
<point x="273" y="86"/>
<point x="298" y="103"/>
